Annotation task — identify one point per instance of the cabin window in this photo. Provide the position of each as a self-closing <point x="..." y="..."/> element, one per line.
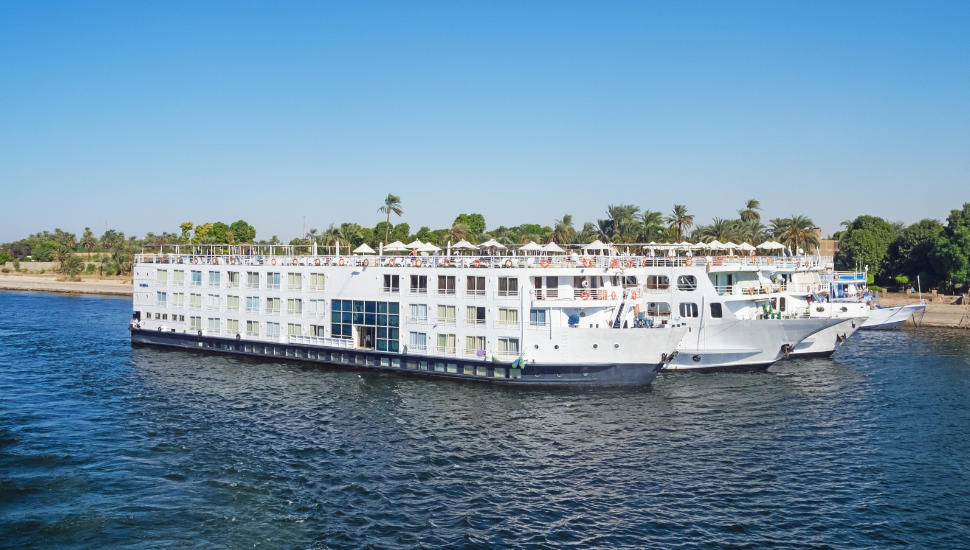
<point x="418" y="341"/>
<point x="508" y="346"/>
<point x="446" y="285"/>
<point x="196" y="279"/>
<point x="316" y="281"/>
<point x="508" y="317"/>
<point x="716" y="311"/>
<point x="215" y="279"/>
<point x="272" y="330"/>
<point x="294" y="281"/>
<point x="630" y="280"/>
<point x="252" y="279"/>
<point x="178" y="299"/>
<point x="419" y="314"/>
<point x="213" y="327"/>
<point x="178" y="277"/>
<point x="161" y="299"/>
<point x="686" y="282"/>
<point x="195" y="301"/>
<point x="293" y="329"/>
<point x="232" y="326"/>
<point x="474" y="344"/>
<point x="317" y="308"/>
<point x="294" y="306"/>
<point x="446" y="315"/>
<point x="392" y="284"/>
<point x="318" y="330"/>
<point x="508" y="286"/>
<point x="195" y="323"/>
<point x="232" y="303"/>
<point x="537" y="317"/>
<point x="779" y="304"/>
<point x="161" y="277"/>
<point x="272" y="306"/>
<point x="181" y="319"/>
<point x="446" y="343"/>
<point x="233" y="279"/>
<point x="213" y="302"/>
<point x="475" y="286"/>
<point x="165" y="317"/>
<point x="252" y="304"/>
<point x="474" y="316"/>
<point x="419" y="285"/>
<point x="658" y="282"/>
<point x="273" y="281"/>
<point x="688" y="310"/>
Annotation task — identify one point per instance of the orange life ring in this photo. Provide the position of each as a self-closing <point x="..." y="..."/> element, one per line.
<point x="769" y="260"/>
<point x="629" y="263"/>
<point x="613" y="295"/>
<point x="544" y="262"/>
<point x="644" y="262"/>
<point x="587" y="262"/>
<point x="366" y="262"/>
<point x="418" y="262"/>
<point x="274" y="261"/>
<point x="391" y="262"/>
<point x="508" y="263"/>
<point x="613" y="262"/>
<point x="477" y="263"/>
<point x="316" y="262"/>
<point x="295" y="262"/>
<point x="633" y="295"/>
<point x="233" y="261"/>
<point x="446" y="262"/>
<point x="689" y="262"/>
<point x="195" y="260"/>
<point x="584" y="295"/>
<point x="340" y="261"/>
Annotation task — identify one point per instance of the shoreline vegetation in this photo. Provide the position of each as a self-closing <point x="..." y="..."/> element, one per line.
<point x="926" y="255"/>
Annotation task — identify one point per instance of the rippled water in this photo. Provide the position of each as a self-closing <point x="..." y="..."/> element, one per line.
<point x="103" y="445"/>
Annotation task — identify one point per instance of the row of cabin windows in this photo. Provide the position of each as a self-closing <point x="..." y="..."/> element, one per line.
<point x="233" y="279"/>
<point x="474" y="315"/>
<point x="447" y="343"/>
<point x="294" y="306"/>
<point x="687" y="309"/>
<point x="418" y="284"/>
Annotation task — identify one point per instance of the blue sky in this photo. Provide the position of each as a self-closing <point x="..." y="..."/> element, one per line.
<point x="146" y="115"/>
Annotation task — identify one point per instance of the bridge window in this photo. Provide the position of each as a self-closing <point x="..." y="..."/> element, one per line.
<point x="686" y="282"/>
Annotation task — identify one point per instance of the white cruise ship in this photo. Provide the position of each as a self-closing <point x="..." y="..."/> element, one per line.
<point x="504" y="319"/>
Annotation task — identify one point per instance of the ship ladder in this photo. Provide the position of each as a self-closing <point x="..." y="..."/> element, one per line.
<point x="619" y="315"/>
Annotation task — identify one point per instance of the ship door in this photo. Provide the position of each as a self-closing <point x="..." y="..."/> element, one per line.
<point x="365" y="337"/>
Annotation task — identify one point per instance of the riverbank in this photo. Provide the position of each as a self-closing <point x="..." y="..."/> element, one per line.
<point x="38" y="283"/>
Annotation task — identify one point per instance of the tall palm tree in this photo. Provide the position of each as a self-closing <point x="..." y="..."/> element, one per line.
<point x="750" y="211"/>
<point x="651" y="226"/>
<point x="563" y="232"/>
<point x="392" y="205"/>
<point x="618" y="216"/>
<point x="587" y="234"/>
<point x="458" y="232"/>
<point x="680" y="220"/>
<point x="88" y="241"/>
<point x="796" y="231"/>
<point x="752" y="232"/>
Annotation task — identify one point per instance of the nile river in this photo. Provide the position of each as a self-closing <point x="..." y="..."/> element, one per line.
<point x="106" y="446"/>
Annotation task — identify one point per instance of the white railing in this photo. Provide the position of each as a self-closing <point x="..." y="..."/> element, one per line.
<point x="507" y="294"/>
<point x="506" y="325"/>
<point x="475" y="294"/>
<point x="475" y="323"/>
<point x="418" y="292"/>
<point x="161" y="304"/>
<point x="391" y="291"/>
<point x="537" y="326"/>
<point x="445" y="292"/>
<point x="252" y="286"/>
<point x="345" y="343"/>
<point x="416" y="320"/>
<point x="445" y="351"/>
<point x="445" y="321"/>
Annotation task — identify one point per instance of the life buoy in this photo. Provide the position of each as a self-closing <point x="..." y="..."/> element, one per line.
<point x="633" y="295"/>
<point x="769" y="261"/>
<point x="295" y="262"/>
<point x="644" y="262"/>
<point x="629" y="263"/>
<point x="366" y="262"/>
<point x="613" y="295"/>
<point x="391" y="262"/>
<point x="477" y="263"/>
<point x="508" y="263"/>
<point x="340" y="261"/>
<point x="587" y="262"/>
<point x="689" y="262"/>
<point x="274" y="261"/>
<point x="446" y="262"/>
<point x="613" y="262"/>
<point x="195" y="260"/>
<point x="317" y="261"/>
<point x="418" y="262"/>
<point x="544" y="262"/>
<point x="584" y="295"/>
<point x="233" y="261"/>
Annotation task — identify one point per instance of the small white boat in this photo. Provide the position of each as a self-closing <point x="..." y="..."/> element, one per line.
<point x="891" y="318"/>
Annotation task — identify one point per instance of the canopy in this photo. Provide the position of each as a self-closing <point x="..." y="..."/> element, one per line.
<point x="746" y="247"/>
<point x="364" y="249"/>
<point x="464" y="244"/>
<point x="428" y="247"/>
<point x="595" y="245"/>
<point x="416" y="244"/>
<point x="729" y="245"/>
<point x="530" y="247"/>
<point x="771" y="245"/>
<point x="698" y="246"/>
<point x="552" y="247"/>
<point x="396" y="246"/>
<point x="714" y="245"/>
<point x="492" y="243"/>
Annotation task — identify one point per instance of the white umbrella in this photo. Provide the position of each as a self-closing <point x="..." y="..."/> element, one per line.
<point x="396" y="246"/>
<point x="364" y="249"/>
<point x="729" y="246"/>
<point x="416" y="244"/>
<point x="530" y="247"/>
<point x="595" y="245"/>
<point x="553" y="247"/>
<point x="698" y="246"/>
<point x="464" y="244"/>
<point x="746" y="247"/>
<point x="771" y="245"/>
<point x="428" y="247"/>
<point x="492" y="243"/>
<point x="714" y="245"/>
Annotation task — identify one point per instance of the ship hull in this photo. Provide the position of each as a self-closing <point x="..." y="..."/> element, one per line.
<point x="826" y="342"/>
<point x="456" y="368"/>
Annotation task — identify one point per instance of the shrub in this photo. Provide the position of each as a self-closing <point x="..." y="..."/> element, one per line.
<point x="4" y="258"/>
<point x="73" y="265"/>
<point x="875" y="288"/>
<point x="16" y="265"/>
<point x="902" y="279"/>
<point x="91" y="268"/>
<point x="5" y="270"/>
<point x="42" y="271"/>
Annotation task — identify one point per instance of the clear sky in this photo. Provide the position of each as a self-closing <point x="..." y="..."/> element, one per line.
<point x="148" y="114"/>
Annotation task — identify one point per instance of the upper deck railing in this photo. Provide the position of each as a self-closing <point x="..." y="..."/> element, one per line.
<point x="491" y="262"/>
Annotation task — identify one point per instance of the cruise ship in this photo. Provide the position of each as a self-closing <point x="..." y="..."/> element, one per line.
<point x="510" y="319"/>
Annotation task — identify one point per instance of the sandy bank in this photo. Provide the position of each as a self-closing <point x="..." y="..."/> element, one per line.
<point x="50" y="284"/>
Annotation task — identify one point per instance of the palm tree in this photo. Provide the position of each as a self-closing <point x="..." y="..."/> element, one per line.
<point x="752" y="232"/>
<point x="312" y="235"/>
<point x="680" y="220"/>
<point x="795" y="231"/>
<point x="88" y="241"/>
<point x="587" y="234"/>
<point x="651" y="226"/>
<point x="392" y="205"/>
<point x="504" y="236"/>
<point x="898" y="227"/>
<point x="564" y="232"/>
<point x="458" y="232"/>
<point x="750" y="211"/>
<point x="617" y="217"/>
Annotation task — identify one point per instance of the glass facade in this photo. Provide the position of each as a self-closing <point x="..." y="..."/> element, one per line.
<point x="384" y="316"/>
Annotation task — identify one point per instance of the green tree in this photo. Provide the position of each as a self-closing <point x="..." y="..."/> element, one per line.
<point x="866" y="244"/>
<point x="4" y="258"/>
<point x="88" y="242"/>
<point x="563" y="231"/>
<point x="72" y="266"/>
<point x="909" y="253"/>
<point x="243" y="232"/>
<point x="392" y="205"/>
<point x="200" y="232"/>
<point x="679" y="220"/>
<point x="43" y="252"/>
<point x="474" y="222"/>
<point x="750" y="211"/>
<point x="796" y="231"/>
<point x="401" y="232"/>
<point x="950" y="256"/>
<point x="219" y="232"/>
<point x="186" y="228"/>
<point x="424" y="234"/>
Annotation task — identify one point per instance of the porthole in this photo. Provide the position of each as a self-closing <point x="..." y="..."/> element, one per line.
<point x="582" y="314"/>
<point x="697" y="358"/>
<point x="844" y="309"/>
<point x="595" y="346"/>
<point x="556" y="346"/>
<point x="585" y="373"/>
<point x="820" y="309"/>
<point x="536" y="346"/>
<point x="616" y="346"/>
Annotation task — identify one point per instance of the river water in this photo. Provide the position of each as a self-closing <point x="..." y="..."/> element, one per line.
<point x="107" y="446"/>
